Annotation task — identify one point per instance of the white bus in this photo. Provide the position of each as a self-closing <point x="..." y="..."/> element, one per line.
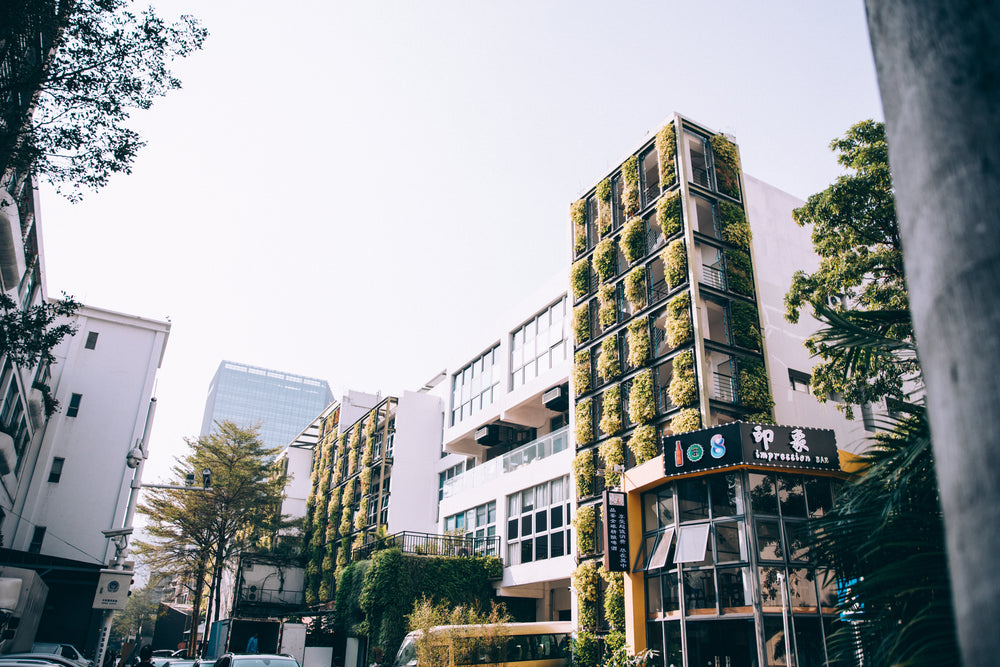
<point x="516" y="645"/>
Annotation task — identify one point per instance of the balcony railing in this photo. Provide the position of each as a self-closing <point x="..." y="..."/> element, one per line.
<point x="724" y="388"/>
<point x="713" y="276"/>
<point x="427" y="544"/>
<point x="547" y="445"/>
<point x="270" y="596"/>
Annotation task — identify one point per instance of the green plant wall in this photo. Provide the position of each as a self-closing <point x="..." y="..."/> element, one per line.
<point x="675" y="263"/>
<point x="739" y="274"/>
<point x="578" y="214"/>
<point x="632" y="239"/>
<point x="688" y="419"/>
<point x="586" y="582"/>
<point x="614" y="599"/>
<point x="604" y="217"/>
<point x="579" y="278"/>
<point x="679" y="328"/>
<point x="746" y="325"/>
<point x="581" y="323"/>
<point x="607" y="310"/>
<point x="604" y="259"/>
<point x="585" y="525"/>
<point x="668" y="214"/>
<point x="666" y="148"/>
<point x="583" y="473"/>
<point x="635" y="287"/>
<point x="612" y="453"/>
<point x="735" y="228"/>
<point x="755" y="394"/>
<point x="611" y="410"/>
<point x="630" y="193"/>
<point x="727" y="166"/>
<point x="584" y="421"/>
<point x="683" y="389"/>
<point x="638" y="342"/>
<point x="608" y="365"/>
<point x="641" y="403"/>
<point x="581" y="373"/>
<point x="643" y="443"/>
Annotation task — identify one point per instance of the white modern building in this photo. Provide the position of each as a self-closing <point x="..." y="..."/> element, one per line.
<point x="78" y="483"/>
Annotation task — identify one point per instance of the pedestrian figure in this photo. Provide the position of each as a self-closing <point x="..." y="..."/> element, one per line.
<point x="252" y="644"/>
<point x="145" y="653"/>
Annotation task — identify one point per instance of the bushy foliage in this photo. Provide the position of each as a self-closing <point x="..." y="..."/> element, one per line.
<point x="578" y="214"/>
<point x="585" y="525"/>
<point x="675" y="264"/>
<point x="614" y="599"/>
<point x="635" y="287"/>
<point x="586" y="582"/>
<point x="668" y="214"/>
<point x="638" y="342"/>
<point x="581" y="372"/>
<point x="604" y="259"/>
<point x="630" y="192"/>
<point x="746" y="325"/>
<point x="632" y="240"/>
<point x="683" y="389"/>
<point x="583" y="473"/>
<point x="641" y="402"/>
<point x="612" y="453"/>
<point x="739" y="274"/>
<point x="611" y="411"/>
<point x="727" y="165"/>
<point x="608" y="365"/>
<point x="735" y="228"/>
<point x="666" y="147"/>
<point x="607" y="311"/>
<point x="679" y="328"/>
<point x="579" y="278"/>
<point x="581" y="323"/>
<point x="688" y="419"/>
<point x="755" y="393"/>
<point x="643" y="443"/>
<point x="584" y="421"/>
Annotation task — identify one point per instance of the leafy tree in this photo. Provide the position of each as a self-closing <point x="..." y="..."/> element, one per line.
<point x="855" y="234"/>
<point x="28" y="335"/>
<point x="139" y="614"/>
<point x="203" y="531"/>
<point x="77" y="97"/>
<point x="435" y="648"/>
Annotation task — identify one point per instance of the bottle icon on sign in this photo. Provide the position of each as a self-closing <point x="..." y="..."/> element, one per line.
<point x="678" y="455"/>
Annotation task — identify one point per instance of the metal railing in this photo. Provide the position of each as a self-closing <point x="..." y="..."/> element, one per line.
<point x="724" y="388"/>
<point x="713" y="276"/>
<point x="544" y="447"/>
<point x="270" y="596"/>
<point x="429" y="544"/>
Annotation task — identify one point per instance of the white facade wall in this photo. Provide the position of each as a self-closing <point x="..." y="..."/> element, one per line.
<point x="115" y="381"/>
<point x="416" y="451"/>
<point x="781" y="247"/>
<point x="298" y="484"/>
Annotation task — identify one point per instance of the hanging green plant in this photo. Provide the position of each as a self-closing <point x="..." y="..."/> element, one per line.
<point x="585" y="524"/>
<point x="611" y="411"/>
<point x="359" y="541"/>
<point x="345" y="503"/>
<point x="688" y="419"/>
<point x="604" y="260"/>
<point x="614" y="599"/>
<point x="324" y="588"/>
<point x="739" y="275"/>
<point x="579" y="278"/>
<point x="583" y="473"/>
<point x="584" y="421"/>
<point x="635" y="287"/>
<point x="641" y="406"/>
<point x="755" y="394"/>
<point x="668" y="213"/>
<point x="581" y="323"/>
<point x="333" y="512"/>
<point x="683" y="389"/>
<point x="727" y="165"/>
<point x="666" y="146"/>
<point x="678" y="326"/>
<point x="612" y="452"/>
<point x="586" y="582"/>
<point x="581" y="373"/>
<point x="675" y="263"/>
<point x="631" y="241"/>
<point x="746" y="325"/>
<point x="630" y="193"/>
<point x="760" y="418"/>
<point x="608" y="365"/>
<point x="369" y="427"/>
<point x="361" y="518"/>
<point x="607" y="310"/>
<point x="643" y="443"/>
<point x="604" y="218"/>
<point x="735" y="228"/>
<point x="578" y="214"/>
<point x="638" y="342"/>
<point x="352" y="451"/>
<point x="343" y="553"/>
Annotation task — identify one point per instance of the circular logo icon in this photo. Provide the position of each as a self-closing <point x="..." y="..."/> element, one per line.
<point x="112" y="586"/>
<point x="718" y="448"/>
<point x="695" y="452"/>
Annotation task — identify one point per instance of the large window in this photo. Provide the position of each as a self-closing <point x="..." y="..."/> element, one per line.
<point x="474" y="387"/>
<point x="538" y="522"/>
<point x="479" y="522"/>
<point x="539" y="345"/>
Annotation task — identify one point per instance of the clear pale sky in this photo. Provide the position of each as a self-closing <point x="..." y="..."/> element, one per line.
<point x="353" y="191"/>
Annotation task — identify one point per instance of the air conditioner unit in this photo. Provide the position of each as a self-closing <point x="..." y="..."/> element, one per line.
<point x="557" y="398"/>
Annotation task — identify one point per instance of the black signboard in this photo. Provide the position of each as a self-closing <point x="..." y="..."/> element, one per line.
<point x="746" y="443"/>
<point x="615" y="532"/>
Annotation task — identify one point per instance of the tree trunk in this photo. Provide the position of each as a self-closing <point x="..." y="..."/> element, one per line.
<point x="938" y="64"/>
<point x="199" y="578"/>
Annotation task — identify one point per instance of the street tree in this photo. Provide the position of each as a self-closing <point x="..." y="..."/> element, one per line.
<point x="139" y="615"/>
<point x="100" y="61"/>
<point x="28" y="335"/>
<point x="855" y="234"/>
<point x="203" y="531"/>
<point x="885" y="535"/>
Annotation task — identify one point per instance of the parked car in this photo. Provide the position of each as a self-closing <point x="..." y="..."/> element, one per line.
<point x="67" y="651"/>
<point x="168" y="653"/>
<point x="256" y="660"/>
<point x="39" y="659"/>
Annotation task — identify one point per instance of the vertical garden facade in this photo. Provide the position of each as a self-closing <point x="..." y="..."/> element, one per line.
<point x="667" y="334"/>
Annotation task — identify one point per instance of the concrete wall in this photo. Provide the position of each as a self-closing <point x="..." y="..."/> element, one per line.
<point x="415" y="453"/>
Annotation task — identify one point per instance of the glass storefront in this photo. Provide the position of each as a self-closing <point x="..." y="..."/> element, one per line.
<point x="717" y="550"/>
